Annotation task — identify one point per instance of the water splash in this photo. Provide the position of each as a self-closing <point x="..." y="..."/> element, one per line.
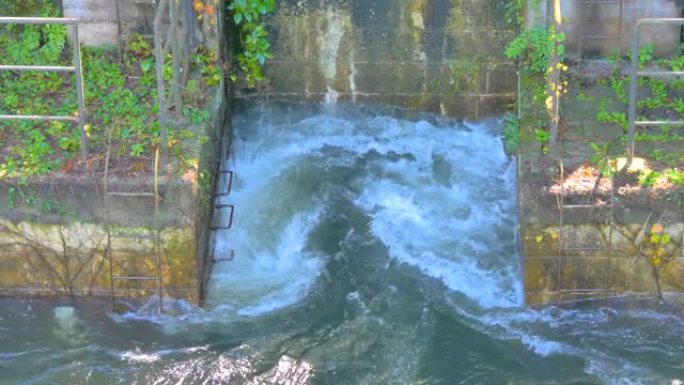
<point x="427" y="206"/>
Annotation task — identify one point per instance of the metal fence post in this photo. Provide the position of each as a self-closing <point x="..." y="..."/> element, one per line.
<point x="80" y="93"/>
<point x="633" y="87"/>
<point x="159" y="58"/>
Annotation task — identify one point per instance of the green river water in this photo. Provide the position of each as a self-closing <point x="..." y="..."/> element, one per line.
<point x="370" y="249"/>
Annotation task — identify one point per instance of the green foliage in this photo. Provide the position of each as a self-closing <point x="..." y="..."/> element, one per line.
<point x="534" y="46"/>
<point x="33" y="44"/>
<point x="205" y="60"/>
<point x="618" y="84"/>
<point x="654" y="246"/>
<point x="511" y="133"/>
<point x="645" y="54"/>
<point x="675" y="176"/>
<point x="613" y="117"/>
<point x="465" y="74"/>
<point x="29" y="144"/>
<point x="513" y="13"/>
<point x="542" y="136"/>
<point x="664" y="134"/>
<point x="140" y="47"/>
<point x="650" y="178"/>
<point x="584" y="97"/>
<point x="246" y="15"/>
<point x="125" y="109"/>
<point x="601" y="158"/>
<point x="659" y="96"/>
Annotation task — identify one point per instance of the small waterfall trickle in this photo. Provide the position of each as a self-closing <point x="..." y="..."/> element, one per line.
<point x="352" y="77"/>
<point x="329" y="43"/>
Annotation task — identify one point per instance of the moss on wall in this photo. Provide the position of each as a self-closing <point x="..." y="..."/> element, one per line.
<point x="72" y="259"/>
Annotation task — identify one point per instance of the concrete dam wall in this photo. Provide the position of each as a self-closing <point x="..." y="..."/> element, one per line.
<point x="443" y="56"/>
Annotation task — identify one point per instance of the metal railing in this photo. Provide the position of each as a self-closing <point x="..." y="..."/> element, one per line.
<point x="634" y="74"/>
<point x="75" y="68"/>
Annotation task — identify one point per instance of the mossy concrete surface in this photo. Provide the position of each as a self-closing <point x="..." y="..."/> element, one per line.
<point x="72" y="259"/>
<point x="598" y="251"/>
<point x="407" y="53"/>
<point x="53" y="239"/>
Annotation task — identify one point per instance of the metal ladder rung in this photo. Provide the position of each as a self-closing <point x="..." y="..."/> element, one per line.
<point x="584" y="290"/>
<point x="130" y="194"/>
<point x="230" y="182"/>
<point x="144" y="35"/>
<point x="225" y="259"/>
<point x="601" y="37"/>
<point x="135" y="278"/>
<point x="585" y="206"/>
<point x="586" y="248"/>
<point x="601" y="2"/>
<point x="132" y="236"/>
<point x="651" y="123"/>
<point x="132" y="289"/>
<point x="660" y="73"/>
<point x="215" y="227"/>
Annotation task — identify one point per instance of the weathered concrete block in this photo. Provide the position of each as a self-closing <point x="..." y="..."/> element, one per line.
<point x="391" y="51"/>
<point x="591" y="19"/>
<point x="72" y="259"/>
<point x="500" y="77"/>
<point x="464" y="106"/>
<point x="98" y="24"/>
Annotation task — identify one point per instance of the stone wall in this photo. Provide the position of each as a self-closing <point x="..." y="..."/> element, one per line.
<point x="53" y="237"/>
<point x="98" y="24"/>
<point x="444" y="56"/>
<point x="591" y="18"/>
<point x="588" y="257"/>
<point x="98" y="21"/>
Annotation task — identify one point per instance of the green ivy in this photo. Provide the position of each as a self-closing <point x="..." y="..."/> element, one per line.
<point x="534" y="47"/>
<point x="255" y="47"/>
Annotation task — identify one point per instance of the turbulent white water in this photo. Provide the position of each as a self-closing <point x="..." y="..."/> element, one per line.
<point x="440" y="196"/>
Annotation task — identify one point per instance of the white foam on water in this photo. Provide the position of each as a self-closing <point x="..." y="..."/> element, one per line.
<point x="451" y="233"/>
<point x="263" y="279"/>
<point x="138" y="356"/>
<point x="448" y="232"/>
<point x="66" y="318"/>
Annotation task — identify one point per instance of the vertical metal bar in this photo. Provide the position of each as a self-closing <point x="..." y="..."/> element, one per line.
<point x="160" y="76"/>
<point x="632" y="109"/>
<point x="120" y="31"/>
<point x="80" y="93"/>
<point x="157" y="235"/>
<point x="620" y="30"/>
<point x="175" y="57"/>
<point x="554" y="83"/>
<point x="561" y="203"/>
<point x="612" y="215"/>
<point x="580" y="38"/>
<point x="108" y="221"/>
